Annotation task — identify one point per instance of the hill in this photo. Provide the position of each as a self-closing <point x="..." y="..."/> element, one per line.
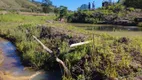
<point x="18" y="5"/>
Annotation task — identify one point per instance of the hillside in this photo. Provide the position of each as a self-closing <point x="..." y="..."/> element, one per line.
<point x="18" y="5"/>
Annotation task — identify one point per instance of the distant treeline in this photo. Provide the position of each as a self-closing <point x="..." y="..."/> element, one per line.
<point x="132" y="3"/>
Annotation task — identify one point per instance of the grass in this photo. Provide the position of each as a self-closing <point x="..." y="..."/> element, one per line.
<point x="24" y="19"/>
<point x="107" y="57"/>
<point x="122" y="33"/>
<point x="17" y="4"/>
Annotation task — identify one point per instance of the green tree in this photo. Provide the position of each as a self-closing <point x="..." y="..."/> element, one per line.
<point x="63" y="12"/>
<point x="48" y="2"/>
<point x="133" y="3"/>
<point x="46" y="6"/>
<point x="84" y="7"/>
<point x="121" y="1"/>
<point x="89" y="6"/>
<point x="56" y="11"/>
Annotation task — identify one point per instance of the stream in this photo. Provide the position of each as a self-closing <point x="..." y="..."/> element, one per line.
<point x="12" y="64"/>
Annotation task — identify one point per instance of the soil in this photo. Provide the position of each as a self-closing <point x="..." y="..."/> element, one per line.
<point x="62" y="34"/>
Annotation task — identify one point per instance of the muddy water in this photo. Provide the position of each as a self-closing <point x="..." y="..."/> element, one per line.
<point x="13" y="65"/>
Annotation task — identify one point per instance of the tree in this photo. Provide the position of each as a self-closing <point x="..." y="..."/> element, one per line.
<point x="121" y="1"/>
<point x="48" y="2"/>
<point x="89" y="6"/>
<point x="93" y="5"/>
<point x="56" y="11"/>
<point x="133" y="3"/>
<point x="84" y="7"/>
<point x="63" y="12"/>
<point x="46" y="6"/>
<point x="32" y="0"/>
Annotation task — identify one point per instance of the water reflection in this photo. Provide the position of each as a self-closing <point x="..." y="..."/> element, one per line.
<point x="13" y="65"/>
<point x="113" y="28"/>
<point x="103" y="27"/>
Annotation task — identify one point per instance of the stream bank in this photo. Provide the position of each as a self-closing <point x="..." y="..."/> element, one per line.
<point x="12" y="68"/>
<point x="108" y="51"/>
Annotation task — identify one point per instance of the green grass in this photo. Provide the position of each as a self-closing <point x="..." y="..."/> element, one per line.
<point x="108" y="56"/>
<point x="24" y="19"/>
<point x="17" y="4"/>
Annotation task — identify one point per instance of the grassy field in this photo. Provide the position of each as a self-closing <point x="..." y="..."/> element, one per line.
<point x="107" y="57"/>
<point x="17" y="5"/>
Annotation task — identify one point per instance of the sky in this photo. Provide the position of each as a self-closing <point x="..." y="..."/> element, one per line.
<point x="74" y="4"/>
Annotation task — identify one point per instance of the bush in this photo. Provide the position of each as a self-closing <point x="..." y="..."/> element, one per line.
<point x="140" y="24"/>
<point x="131" y="9"/>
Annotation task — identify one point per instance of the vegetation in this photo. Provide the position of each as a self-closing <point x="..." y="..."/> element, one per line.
<point x="140" y="24"/>
<point x="106" y="57"/>
<point x="98" y="16"/>
<point x="113" y="14"/>
<point x="23" y="5"/>
<point x="63" y="12"/>
<point x="133" y="3"/>
<point x="47" y="6"/>
<point x="27" y="6"/>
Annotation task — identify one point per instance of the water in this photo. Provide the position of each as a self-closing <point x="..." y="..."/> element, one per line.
<point x="13" y="65"/>
<point x="105" y="27"/>
<point x="114" y="28"/>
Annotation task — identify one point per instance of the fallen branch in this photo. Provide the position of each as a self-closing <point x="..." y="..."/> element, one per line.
<point x="51" y="53"/>
<point x="64" y="66"/>
<point x="44" y="47"/>
<point x="34" y="75"/>
<point x="79" y="44"/>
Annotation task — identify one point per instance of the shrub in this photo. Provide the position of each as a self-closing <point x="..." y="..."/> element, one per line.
<point x="131" y="9"/>
<point x="140" y="24"/>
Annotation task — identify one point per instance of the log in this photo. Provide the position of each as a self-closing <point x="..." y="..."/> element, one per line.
<point x="34" y="75"/>
<point x="79" y="44"/>
<point x="44" y="47"/>
<point x="51" y="53"/>
<point x="64" y="66"/>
